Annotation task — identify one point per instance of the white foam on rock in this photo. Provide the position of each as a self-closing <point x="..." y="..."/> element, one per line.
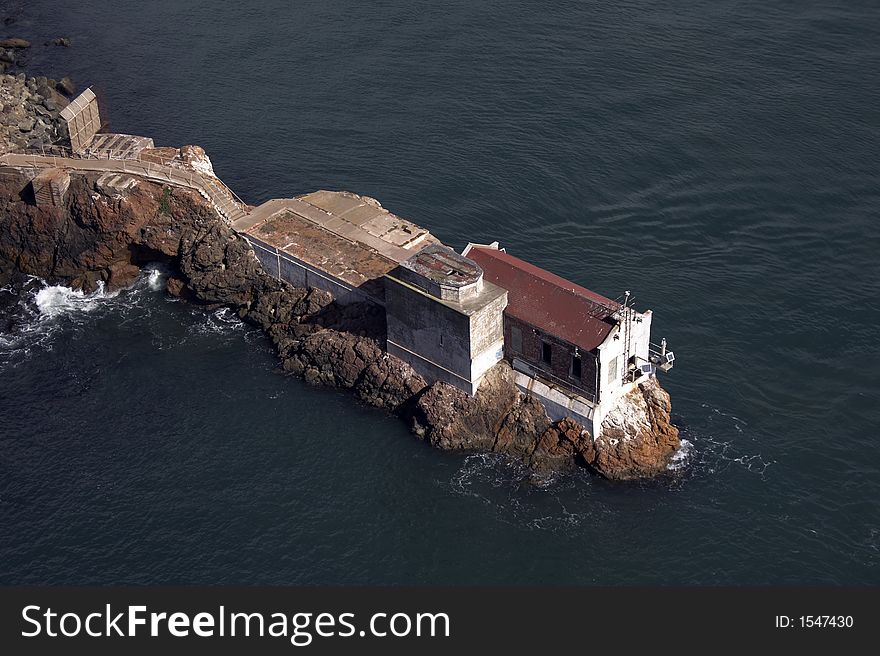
<point x="681" y="456"/>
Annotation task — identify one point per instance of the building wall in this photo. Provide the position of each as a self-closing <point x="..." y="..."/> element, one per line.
<point x="560" y="367"/>
<point x="431" y="336"/>
<point x="487" y="337"/>
<point x="301" y="274"/>
<point x="611" y="357"/>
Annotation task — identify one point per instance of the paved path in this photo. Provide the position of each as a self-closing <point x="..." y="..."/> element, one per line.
<point x="223" y="200"/>
<point x="212" y="189"/>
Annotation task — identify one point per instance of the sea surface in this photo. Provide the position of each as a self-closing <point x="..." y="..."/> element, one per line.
<point x="719" y="159"/>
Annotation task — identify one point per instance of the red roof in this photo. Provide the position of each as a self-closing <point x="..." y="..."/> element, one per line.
<point x="546" y="301"/>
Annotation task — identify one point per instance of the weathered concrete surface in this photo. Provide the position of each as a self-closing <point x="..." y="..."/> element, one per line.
<point x="445" y="340"/>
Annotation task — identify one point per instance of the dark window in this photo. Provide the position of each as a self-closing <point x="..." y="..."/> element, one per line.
<point x="576" y="366"/>
<point x="515" y="339"/>
<point x="546" y="352"/>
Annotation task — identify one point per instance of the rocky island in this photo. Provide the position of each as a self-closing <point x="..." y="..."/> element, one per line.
<point x="324" y="275"/>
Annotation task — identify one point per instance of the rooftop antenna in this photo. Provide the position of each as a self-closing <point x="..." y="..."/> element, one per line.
<point x="626" y="317"/>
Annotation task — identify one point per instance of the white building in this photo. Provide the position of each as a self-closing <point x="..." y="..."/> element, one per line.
<point x="576" y="351"/>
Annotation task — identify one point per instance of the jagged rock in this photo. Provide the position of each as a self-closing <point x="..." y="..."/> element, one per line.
<point x="194" y="157"/>
<point x="637" y="437"/>
<point x="60" y="41"/>
<point x="66" y="86"/>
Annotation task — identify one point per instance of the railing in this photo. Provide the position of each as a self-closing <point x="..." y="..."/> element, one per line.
<point x="222" y="199"/>
<point x="568" y="386"/>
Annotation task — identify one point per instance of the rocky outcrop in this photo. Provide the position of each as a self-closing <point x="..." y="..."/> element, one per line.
<point x="638" y="438"/>
<point x="497" y="419"/>
<point x="30" y="109"/>
<point x="105" y="232"/>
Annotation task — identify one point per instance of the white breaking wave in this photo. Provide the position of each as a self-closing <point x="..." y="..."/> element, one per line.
<point x="219" y="322"/>
<point x="55" y="300"/>
<point x="42" y="310"/>
<point x="681" y="457"/>
<point x="155" y="278"/>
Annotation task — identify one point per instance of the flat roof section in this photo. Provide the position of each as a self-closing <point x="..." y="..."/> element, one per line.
<point x="351" y="237"/>
<point x="353" y="263"/>
<point x="368" y="214"/>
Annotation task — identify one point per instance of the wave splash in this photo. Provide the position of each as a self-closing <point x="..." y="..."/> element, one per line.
<point x="33" y="312"/>
<point x="53" y="301"/>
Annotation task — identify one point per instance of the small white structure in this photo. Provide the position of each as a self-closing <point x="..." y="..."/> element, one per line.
<point x="576" y="351"/>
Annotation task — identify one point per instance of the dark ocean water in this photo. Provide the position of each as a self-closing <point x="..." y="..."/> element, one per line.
<point x="720" y="159"/>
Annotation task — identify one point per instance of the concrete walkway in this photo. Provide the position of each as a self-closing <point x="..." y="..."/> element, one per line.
<point x="212" y="189"/>
<point x="241" y="217"/>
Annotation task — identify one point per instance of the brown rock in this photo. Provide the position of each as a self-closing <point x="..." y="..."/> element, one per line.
<point x="175" y="286"/>
<point x="122" y="274"/>
<point x="14" y="43"/>
<point x="638" y="439"/>
<point x="66" y="86"/>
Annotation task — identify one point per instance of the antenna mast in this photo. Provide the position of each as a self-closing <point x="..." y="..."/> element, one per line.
<point x="626" y="317"/>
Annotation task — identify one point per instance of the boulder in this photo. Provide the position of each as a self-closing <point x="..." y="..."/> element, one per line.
<point x="66" y="86"/>
<point x="14" y="43"/>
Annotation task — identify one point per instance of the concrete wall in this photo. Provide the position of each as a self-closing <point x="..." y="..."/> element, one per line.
<point x="431" y="336"/>
<point x="611" y="357"/>
<point x="50" y="186"/>
<point x="439" y="339"/>
<point x="487" y="337"/>
<point x="81" y="120"/>
<point x="301" y="274"/>
<point x="557" y="403"/>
